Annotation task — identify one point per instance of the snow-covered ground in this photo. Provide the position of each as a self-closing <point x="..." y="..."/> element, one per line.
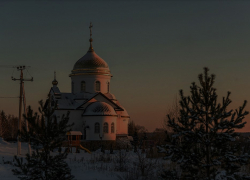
<point x="94" y="166"/>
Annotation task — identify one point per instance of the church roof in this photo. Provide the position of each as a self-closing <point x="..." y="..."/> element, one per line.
<point x="124" y="113"/>
<point x="67" y="101"/>
<point x="110" y="96"/>
<point x="102" y="98"/>
<point x="55" y="90"/>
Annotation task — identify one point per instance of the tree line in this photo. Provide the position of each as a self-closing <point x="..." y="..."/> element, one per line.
<point x="202" y="139"/>
<point x="8" y="126"/>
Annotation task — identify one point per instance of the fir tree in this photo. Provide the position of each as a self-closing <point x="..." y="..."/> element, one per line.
<point x="203" y="141"/>
<point x="45" y="135"/>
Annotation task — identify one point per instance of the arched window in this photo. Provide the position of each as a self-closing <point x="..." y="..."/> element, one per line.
<point x="83" y="86"/>
<point x="107" y="86"/>
<point x="113" y="127"/>
<point x="97" y="128"/>
<point x="72" y="87"/>
<point x="97" y="85"/>
<point x="105" y="128"/>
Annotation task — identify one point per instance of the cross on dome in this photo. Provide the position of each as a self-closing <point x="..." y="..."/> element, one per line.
<point x="90" y="26"/>
<point x="90" y="40"/>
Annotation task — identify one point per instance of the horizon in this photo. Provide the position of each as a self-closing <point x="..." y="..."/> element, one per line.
<point x="153" y="50"/>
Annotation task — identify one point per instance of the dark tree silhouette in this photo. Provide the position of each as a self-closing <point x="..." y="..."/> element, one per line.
<point x="45" y="137"/>
<point x="204" y="138"/>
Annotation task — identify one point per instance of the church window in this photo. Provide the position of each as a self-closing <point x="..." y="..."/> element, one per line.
<point x="97" y="85"/>
<point x="105" y="128"/>
<point x="108" y="86"/>
<point x="112" y="128"/>
<point x="97" y="128"/>
<point x="72" y="87"/>
<point x="83" y="86"/>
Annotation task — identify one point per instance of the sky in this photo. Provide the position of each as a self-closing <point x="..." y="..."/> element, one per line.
<point x="153" y="49"/>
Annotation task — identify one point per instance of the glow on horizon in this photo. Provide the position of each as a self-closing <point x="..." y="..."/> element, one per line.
<point x="153" y="49"/>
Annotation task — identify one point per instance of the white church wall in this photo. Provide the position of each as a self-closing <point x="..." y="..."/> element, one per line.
<point x="90" y="132"/>
<point x="90" y="83"/>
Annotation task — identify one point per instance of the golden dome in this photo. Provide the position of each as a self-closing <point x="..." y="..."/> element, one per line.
<point x="91" y="63"/>
<point x="54" y="82"/>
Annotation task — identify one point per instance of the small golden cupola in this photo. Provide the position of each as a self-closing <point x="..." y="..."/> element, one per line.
<point x="54" y="82"/>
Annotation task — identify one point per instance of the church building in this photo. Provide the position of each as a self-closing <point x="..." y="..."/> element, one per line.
<point x="95" y="112"/>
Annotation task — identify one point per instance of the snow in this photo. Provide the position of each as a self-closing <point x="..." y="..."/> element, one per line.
<point x="94" y="166"/>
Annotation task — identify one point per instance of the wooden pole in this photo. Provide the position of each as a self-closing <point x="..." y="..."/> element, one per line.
<point x="21" y="68"/>
<point x="26" y="122"/>
<point x="20" y="114"/>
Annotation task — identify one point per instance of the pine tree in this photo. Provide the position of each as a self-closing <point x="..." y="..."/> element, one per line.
<point x="203" y="142"/>
<point x="45" y="135"/>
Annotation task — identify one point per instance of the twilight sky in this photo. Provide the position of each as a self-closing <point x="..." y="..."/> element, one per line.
<point x="153" y="49"/>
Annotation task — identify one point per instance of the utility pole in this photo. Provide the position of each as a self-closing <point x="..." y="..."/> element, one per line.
<point x="26" y="122"/>
<point x="20" y="68"/>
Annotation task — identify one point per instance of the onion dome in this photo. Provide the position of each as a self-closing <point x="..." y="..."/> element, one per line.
<point x="55" y="82"/>
<point x="99" y="108"/>
<point x="90" y="63"/>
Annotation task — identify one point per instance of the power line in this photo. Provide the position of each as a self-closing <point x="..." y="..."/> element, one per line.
<point x="9" y="97"/>
<point x="11" y="66"/>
